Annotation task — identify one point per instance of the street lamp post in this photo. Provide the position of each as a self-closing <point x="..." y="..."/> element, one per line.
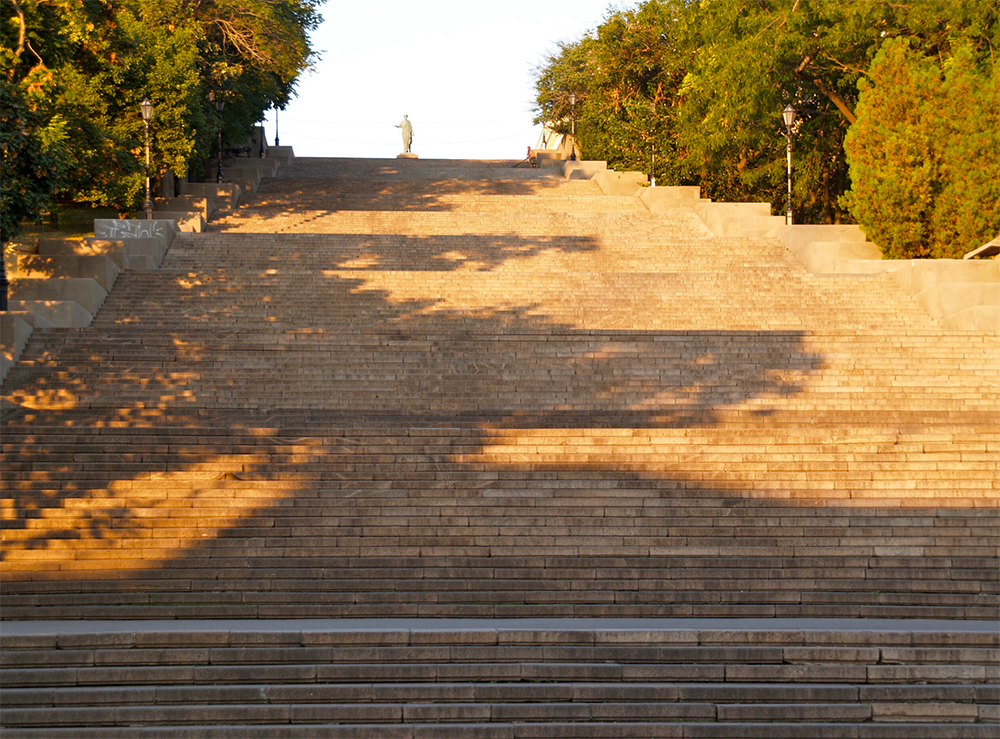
<point x="572" y="105"/>
<point x="219" y="105"/>
<point x="789" y="116"/>
<point x="4" y="282"/>
<point x="147" y="115"/>
<point x="277" y="141"/>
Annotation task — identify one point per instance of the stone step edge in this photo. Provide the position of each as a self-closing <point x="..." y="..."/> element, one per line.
<point x="527" y="730"/>
<point x="421" y="631"/>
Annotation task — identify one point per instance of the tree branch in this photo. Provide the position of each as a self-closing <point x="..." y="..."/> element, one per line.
<point x="800" y="72"/>
<point x="836" y="100"/>
<point x="22" y="36"/>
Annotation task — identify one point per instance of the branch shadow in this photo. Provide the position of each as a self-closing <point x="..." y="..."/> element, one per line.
<point x="348" y="407"/>
<point x="324" y="186"/>
<point x="263" y="360"/>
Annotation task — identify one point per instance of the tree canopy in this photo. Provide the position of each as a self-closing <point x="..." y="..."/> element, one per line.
<point x="702" y="84"/>
<point x="73" y="73"/>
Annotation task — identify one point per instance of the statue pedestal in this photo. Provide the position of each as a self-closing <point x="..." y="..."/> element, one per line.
<point x="407" y="156"/>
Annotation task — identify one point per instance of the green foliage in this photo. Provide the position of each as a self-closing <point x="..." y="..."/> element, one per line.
<point x="967" y="212"/>
<point x="703" y="82"/>
<point x="28" y="172"/>
<point x="625" y="78"/>
<point x="924" y="155"/>
<point x="78" y="70"/>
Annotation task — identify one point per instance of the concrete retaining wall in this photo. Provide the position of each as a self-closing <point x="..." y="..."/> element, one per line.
<point x="15" y="330"/>
<point x="620" y="183"/>
<point x="226" y="195"/>
<point x="960" y="294"/>
<point x="112" y="249"/>
<point x="662" y="199"/>
<point x="67" y="281"/>
<point x="580" y="170"/>
<point x="97" y="267"/>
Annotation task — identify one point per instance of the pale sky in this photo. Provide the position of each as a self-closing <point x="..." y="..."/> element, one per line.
<point x="460" y="69"/>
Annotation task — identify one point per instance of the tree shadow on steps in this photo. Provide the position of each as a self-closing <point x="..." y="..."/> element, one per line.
<point x="439" y="253"/>
<point x="189" y="437"/>
<point x="377" y="186"/>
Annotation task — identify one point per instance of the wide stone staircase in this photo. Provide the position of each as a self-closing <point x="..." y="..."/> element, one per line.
<point x="452" y="449"/>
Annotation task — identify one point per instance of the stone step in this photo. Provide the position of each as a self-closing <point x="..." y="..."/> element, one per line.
<point x="649" y="677"/>
<point x="448" y="391"/>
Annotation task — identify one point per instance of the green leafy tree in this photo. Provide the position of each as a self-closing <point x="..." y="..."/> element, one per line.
<point x="28" y="170"/>
<point x="894" y="165"/>
<point x="75" y="72"/>
<point x="757" y="58"/>
<point x="625" y="77"/>
<point x="711" y="78"/>
<point x="924" y="155"/>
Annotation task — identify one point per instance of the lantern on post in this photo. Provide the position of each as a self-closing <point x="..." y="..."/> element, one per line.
<point x="788" y="114"/>
<point x="220" y="104"/>
<point x="146" y="108"/>
<point x="572" y="105"/>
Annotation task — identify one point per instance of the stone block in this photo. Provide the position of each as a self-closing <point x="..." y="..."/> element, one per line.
<point x="142" y="263"/>
<point x="841" y="257"/>
<point x="916" y="275"/>
<point x="144" y="253"/>
<point x="137" y="253"/>
<point x="34" y="320"/>
<point x="903" y="693"/>
<point x="990" y="713"/>
<point x="267" y="167"/>
<point x="549" y="159"/>
<point x="110" y="248"/>
<point x="84" y="291"/>
<point x="827" y="713"/>
<point x="200" y="204"/>
<point x="14" y="334"/>
<point x="945" y="299"/>
<point x="461" y="731"/>
<point x="663" y="199"/>
<point x="283" y="154"/>
<point x="58" y="313"/>
<point x="797" y="236"/>
<point x="225" y="194"/>
<point x="97" y="267"/>
<point x="926" y="673"/>
<point x="736" y="219"/>
<point x="186" y="222"/>
<point x="140" y="252"/>
<point x="925" y="712"/>
<point x="979" y="318"/>
<point x="347" y="713"/>
<point x="116" y="228"/>
<point x="841" y="673"/>
<point x="581" y="170"/>
<point x="246" y="180"/>
<point x="180" y="638"/>
<point x="620" y="183"/>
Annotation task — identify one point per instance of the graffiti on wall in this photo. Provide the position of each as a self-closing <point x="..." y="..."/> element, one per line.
<point x="113" y="228"/>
